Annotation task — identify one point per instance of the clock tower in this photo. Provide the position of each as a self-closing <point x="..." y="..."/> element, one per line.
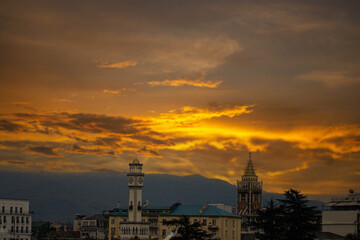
<point x="135" y="226"/>
<point x="249" y="191"/>
<point x="135" y="183"/>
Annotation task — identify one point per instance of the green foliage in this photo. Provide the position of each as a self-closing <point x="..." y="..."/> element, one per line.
<point x="186" y="230"/>
<point x="292" y="220"/>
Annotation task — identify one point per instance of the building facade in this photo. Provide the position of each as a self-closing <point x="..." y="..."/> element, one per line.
<point x="249" y="192"/>
<point x="219" y="224"/>
<point x="343" y="215"/>
<point x="216" y="222"/>
<point x="95" y="227"/>
<point x="15" y="219"/>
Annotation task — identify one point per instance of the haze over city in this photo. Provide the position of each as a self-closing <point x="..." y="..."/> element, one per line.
<point x="187" y="87"/>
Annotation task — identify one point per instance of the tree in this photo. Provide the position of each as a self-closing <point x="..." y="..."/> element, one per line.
<point x="352" y="236"/>
<point x="186" y="230"/>
<point x="299" y="217"/>
<point x="270" y="223"/>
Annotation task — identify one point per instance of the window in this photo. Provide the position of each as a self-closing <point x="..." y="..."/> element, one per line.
<point x="21" y="210"/>
<point x="164" y="232"/>
<point x="12" y="219"/>
<point x="4" y="219"/>
<point x="4" y="226"/>
<point x="225" y="233"/>
<point x="164" y="221"/>
<point x="15" y="209"/>
<point x="233" y="234"/>
<point x="226" y="222"/>
<point x="11" y="208"/>
<point x="17" y="229"/>
<point x="214" y="222"/>
<point x="204" y="222"/>
<point x="27" y="229"/>
<point x="112" y="221"/>
<point x="12" y="228"/>
<point x="22" y="219"/>
<point x="233" y="223"/>
<point x="27" y="219"/>
<point x="22" y="229"/>
<point x="3" y="208"/>
<point x="17" y="219"/>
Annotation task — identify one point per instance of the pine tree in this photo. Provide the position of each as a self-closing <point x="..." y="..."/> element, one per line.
<point x="270" y="223"/>
<point x="299" y="217"/>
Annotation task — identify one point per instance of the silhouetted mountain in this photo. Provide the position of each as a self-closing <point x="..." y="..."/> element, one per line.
<point x="61" y="196"/>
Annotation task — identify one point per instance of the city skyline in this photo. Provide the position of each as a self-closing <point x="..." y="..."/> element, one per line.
<point x="186" y="87"/>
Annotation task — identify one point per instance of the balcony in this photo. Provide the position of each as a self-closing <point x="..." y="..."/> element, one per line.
<point x="213" y="227"/>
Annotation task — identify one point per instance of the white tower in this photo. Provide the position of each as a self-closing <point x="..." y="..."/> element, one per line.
<point x="135" y="183"/>
<point x="135" y="227"/>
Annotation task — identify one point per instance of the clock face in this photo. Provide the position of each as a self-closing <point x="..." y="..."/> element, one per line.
<point x="131" y="180"/>
<point x="140" y="180"/>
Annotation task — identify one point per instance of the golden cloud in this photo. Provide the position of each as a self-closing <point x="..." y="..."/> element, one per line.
<point x="193" y="140"/>
<point x="124" y="64"/>
<point x="197" y="82"/>
<point x="122" y="91"/>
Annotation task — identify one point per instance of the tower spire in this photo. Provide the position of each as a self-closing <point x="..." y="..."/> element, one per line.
<point x="249" y="171"/>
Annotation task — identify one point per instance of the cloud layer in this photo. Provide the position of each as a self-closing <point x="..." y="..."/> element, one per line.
<point x="186" y="86"/>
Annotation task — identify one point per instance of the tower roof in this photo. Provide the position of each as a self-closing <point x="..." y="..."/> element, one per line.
<point x="136" y="161"/>
<point x="249" y="171"/>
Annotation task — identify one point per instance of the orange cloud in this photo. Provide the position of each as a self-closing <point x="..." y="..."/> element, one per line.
<point x="196" y="82"/>
<point x="122" y="91"/>
<point x="124" y="64"/>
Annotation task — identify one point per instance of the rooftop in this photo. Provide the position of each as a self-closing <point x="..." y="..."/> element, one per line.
<point x="200" y="210"/>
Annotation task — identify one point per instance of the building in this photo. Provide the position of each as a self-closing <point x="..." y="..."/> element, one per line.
<point x="145" y="221"/>
<point x="77" y="221"/>
<point x="217" y="222"/>
<point x="343" y="215"/>
<point x="95" y="227"/>
<point x="15" y="219"/>
<point x="249" y="191"/>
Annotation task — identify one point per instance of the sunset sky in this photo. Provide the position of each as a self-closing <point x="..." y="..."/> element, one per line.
<point x="187" y="87"/>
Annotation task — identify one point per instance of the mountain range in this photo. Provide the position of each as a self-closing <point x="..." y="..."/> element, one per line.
<point x="59" y="197"/>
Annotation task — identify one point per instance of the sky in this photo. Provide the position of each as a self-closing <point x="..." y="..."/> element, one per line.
<point x="187" y="87"/>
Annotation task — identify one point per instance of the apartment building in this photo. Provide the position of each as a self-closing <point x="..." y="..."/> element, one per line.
<point x="15" y="219"/>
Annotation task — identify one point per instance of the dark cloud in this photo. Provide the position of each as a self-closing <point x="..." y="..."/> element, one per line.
<point x="79" y="149"/>
<point x="6" y="125"/>
<point x="47" y="151"/>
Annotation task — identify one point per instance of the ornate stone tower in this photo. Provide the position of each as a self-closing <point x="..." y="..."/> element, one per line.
<point x="135" y="225"/>
<point x="249" y="191"/>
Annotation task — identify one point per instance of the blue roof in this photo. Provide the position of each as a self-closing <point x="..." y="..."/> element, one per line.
<point x="156" y="207"/>
<point x="194" y="210"/>
<point x="118" y="212"/>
